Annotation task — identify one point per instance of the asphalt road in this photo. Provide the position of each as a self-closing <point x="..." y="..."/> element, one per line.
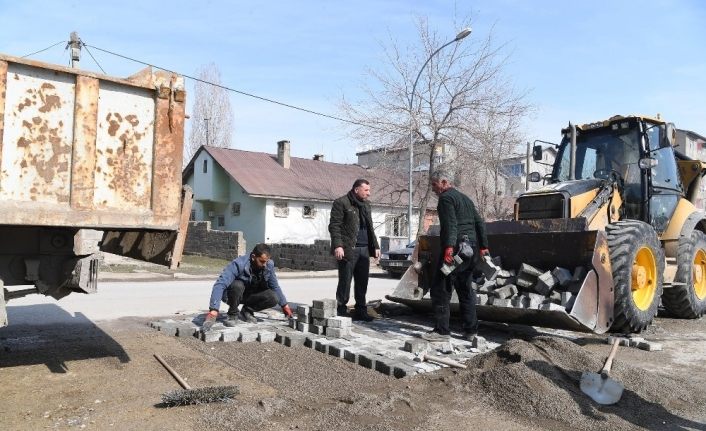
<point x="161" y="298"/>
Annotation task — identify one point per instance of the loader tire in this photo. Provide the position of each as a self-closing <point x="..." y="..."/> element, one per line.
<point x="689" y="301"/>
<point x="637" y="260"/>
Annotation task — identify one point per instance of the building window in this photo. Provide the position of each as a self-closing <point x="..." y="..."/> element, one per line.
<point x="514" y="170"/>
<point x="205" y="166"/>
<point x="281" y="209"/>
<point x="396" y="225"/>
<point x="309" y="211"/>
<point x="192" y="216"/>
<point x="221" y="221"/>
<point x="235" y="209"/>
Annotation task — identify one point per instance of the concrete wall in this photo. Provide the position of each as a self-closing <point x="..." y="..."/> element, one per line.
<point x="203" y="241"/>
<point x="307" y="257"/>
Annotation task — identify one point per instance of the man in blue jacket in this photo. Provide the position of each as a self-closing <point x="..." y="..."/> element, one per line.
<point x="250" y="281"/>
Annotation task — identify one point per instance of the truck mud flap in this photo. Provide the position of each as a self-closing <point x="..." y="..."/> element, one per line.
<point x="543" y="245"/>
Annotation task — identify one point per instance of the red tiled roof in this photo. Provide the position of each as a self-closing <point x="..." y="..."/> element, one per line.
<point x="260" y="174"/>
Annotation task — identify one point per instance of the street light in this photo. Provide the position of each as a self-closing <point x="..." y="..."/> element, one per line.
<point x="463" y="33"/>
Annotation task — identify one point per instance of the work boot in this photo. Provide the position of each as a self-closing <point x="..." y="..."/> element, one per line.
<point x="247" y="315"/>
<point x="342" y="310"/>
<point x="362" y="315"/>
<point x="231" y="321"/>
<point x="469" y="335"/>
<point x="435" y="337"/>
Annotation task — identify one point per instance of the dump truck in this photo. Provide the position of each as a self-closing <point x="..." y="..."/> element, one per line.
<point x="612" y="234"/>
<point x="88" y="163"/>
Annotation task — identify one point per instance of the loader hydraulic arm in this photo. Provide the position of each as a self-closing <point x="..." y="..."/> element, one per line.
<point x="605" y="207"/>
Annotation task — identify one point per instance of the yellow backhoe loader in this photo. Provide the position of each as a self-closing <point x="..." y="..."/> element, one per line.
<point x="613" y="230"/>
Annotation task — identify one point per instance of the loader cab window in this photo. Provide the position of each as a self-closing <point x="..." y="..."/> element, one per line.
<point x="666" y="188"/>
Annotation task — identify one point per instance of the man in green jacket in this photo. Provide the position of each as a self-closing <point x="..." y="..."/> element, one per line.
<point x="353" y="241"/>
<point x="459" y="222"/>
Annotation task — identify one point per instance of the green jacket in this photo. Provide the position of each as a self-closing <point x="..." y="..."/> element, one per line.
<point x="344" y="226"/>
<point x="458" y="216"/>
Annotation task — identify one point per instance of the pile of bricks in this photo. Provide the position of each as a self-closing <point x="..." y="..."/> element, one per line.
<point x="528" y="287"/>
<point x="321" y="319"/>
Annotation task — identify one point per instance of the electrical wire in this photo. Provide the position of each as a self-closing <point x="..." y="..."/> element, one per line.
<point x="94" y="59"/>
<point x="42" y="50"/>
<point x="287" y="105"/>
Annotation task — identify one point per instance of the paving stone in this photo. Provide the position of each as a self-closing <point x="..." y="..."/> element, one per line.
<point x="650" y="346"/>
<point x="500" y="282"/>
<point x="550" y="306"/>
<point x="525" y="281"/>
<point x="229" y="335"/>
<point x="303" y="310"/>
<point x="529" y="270"/>
<point x="293" y="322"/>
<point x="535" y="300"/>
<point x="481" y="299"/>
<point x="323" y="304"/>
<point x="350" y="354"/>
<point x="520" y="301"/>
<point x="317" y="329"/>
<point x="489" y="268"/>
<point x="169" y="328"/>
<point x="505" y="291"/>
<point x="318" y="321"/>
<point x="545" y="283"/>
<point x="302" y="327"/>
<point x="506" y="273"/>
<point x="265" y="336"/>
<point x="479" y="343"/>
<point x="321" y="345"/>
<point x="579" y="274"/>
<point x="384" y="365"/>
<point x="336" y="349"/>
<point x="337" y="332"/>
<point x="635" y="341"/>
<point x="339" y="322"/>
<point x="555" y="297"/>
<point x="622" y="341"/>
<point x="500" y="302"/>
<point x="416" y="345"/>
<point x="310" y="341"/>
<point x="366" y="359"/>
<point x="400" y="369"/>
<point x="323" y="313"/>
<point x="186" y="330"/>
<point x="210" y="336"/>
<point x="247" y="337"/>
<point x="562" y="275"/>
<point x="291" y="340"/>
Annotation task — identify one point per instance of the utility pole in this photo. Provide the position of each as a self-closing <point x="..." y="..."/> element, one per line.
<point x="75" y="45"/>
<point x="527" y="167"/>
<point x="206" y="120"/>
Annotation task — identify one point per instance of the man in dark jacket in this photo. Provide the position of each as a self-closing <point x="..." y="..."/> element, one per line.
<point x="459" y="222"/>
<point x="353" y="241"/>
<point x="248" y="280"/>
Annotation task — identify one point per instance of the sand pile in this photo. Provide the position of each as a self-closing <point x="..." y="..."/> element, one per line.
<point x="539" y="380"/>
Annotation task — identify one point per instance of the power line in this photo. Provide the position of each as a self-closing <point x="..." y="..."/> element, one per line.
<point x="94" y="59"/>
<point x="233" y="89"/>
<point x="42" y="50"/>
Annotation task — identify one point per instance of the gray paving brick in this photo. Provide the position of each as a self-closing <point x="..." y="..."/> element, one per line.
<point x="324" y="303"/>
<point x="505" y="292"/>
<point x="302" y="327"/>
<point x="384" y="365"/>
<point x="247" y="337"/>
<point x="366" y="359"/>
<point x="319" y="321"/>
<point x="186" y="330"/>
<point x="336" y="349"/>
<point x="317" y="329"/>
<point x="416" y="345"/>
<point x="650" y="346"/>
<point x="337" y="332"/>
<point x="321" y="345"/>
<point x="291" y="340"/>
<point x="350" y="354"/>
<point x="293" y="322"/>
<point x="530" y="270"/>
<point x="325" y="313"/>
<point x="339" y="322"/>
<point x="550" y="306"/>
<point x="481" y="299"/>
<point x="169" y="328"/>
<point x="265" y="336"/>
<point x="400" y="369"/>
<point x="310" y="341"/>
<point x="210" y="336"/>
<point x="562" y="276"/>
<point x="303" y="310"/>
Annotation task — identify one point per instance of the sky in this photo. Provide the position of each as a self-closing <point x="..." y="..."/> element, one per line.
<point x="578" y="61"/>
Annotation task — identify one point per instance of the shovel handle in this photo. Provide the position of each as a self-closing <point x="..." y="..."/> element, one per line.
<point x="609" y="361"/>
<point x="174" y="374"/>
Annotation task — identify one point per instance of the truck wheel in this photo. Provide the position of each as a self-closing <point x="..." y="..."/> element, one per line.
<point x="637" y="260"/>
<point x="689" y="301"/>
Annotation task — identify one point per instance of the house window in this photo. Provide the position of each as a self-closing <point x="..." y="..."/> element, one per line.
<point x="281" y="209"/>
<point x="309" y="211"/>
<point x="235" y="209"/>
<point x="221" y="221"/>
<point x="514" y="170"/>
<point x="205" y="166"/>
<point x="396" y="225"/>
<point x="192" y="216"/>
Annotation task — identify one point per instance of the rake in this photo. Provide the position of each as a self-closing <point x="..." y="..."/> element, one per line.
<point x="188" y="395"/>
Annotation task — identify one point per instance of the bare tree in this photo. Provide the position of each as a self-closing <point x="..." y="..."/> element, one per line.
<point x="212" y="117"/>
<point x="466" y="112"/>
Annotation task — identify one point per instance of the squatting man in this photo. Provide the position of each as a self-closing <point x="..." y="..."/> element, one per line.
<point x="250" y="281"/>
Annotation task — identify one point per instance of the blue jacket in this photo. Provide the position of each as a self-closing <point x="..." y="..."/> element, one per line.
<point x="239" y="269"/>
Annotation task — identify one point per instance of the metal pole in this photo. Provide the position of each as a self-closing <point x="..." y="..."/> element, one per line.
<point x="75" y="49"/>
<point x="527" y="167"/>
<point x="465" y="32"/>
<point x="207" y="141"/>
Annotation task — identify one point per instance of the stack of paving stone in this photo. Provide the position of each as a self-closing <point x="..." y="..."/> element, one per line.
<point x="321" y="319"/>
<point x="263" y="332"/>
<point x="528" y="287"/>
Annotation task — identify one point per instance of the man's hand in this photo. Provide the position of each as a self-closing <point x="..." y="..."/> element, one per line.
<point x="448" y="255"/>
<point x="338" y="252"/>
<point x="377" y="253"/>
<point x="209" y="321"/>
<point x="484" y="252"/>
<point x="287" y="310"/>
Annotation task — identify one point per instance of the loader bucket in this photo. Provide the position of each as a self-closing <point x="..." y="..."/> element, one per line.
<point x="544" y="244"/>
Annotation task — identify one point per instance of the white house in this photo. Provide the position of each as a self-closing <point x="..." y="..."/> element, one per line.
<point x="283" y="199"/>
<point x="693" y="145"/>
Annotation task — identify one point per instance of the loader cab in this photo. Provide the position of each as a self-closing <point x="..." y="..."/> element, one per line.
<point x="635" y="151"/>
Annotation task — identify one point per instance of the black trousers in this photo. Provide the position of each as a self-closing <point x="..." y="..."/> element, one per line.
<point x="357" y="269"/>
<point x="255" y="298"/>
<point x="441" y="291"/>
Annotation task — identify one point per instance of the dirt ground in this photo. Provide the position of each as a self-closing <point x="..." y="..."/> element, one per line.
<point x="88" y="376"/>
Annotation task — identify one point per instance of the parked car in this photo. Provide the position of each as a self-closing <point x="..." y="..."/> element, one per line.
<point x="396" y="262"/>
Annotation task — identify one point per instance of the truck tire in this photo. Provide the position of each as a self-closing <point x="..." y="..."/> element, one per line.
<point x="689" y="301"/>
<point x="637" y="261"/>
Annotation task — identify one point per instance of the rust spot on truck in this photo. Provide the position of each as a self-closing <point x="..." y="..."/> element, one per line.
<point x="132" y="119"/>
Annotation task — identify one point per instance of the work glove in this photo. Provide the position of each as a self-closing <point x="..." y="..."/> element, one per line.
<point x="449" y="255"/>
<point x="484" y="252"/>
<point x="209" y="321"/>
<point x="287" y="310"/>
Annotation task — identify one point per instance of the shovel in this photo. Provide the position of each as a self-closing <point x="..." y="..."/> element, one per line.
<point x="599" y="386"/>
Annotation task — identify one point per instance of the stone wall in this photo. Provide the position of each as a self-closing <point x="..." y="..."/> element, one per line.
<point x="203" y="241"/>
<point x="308" y="257"/>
